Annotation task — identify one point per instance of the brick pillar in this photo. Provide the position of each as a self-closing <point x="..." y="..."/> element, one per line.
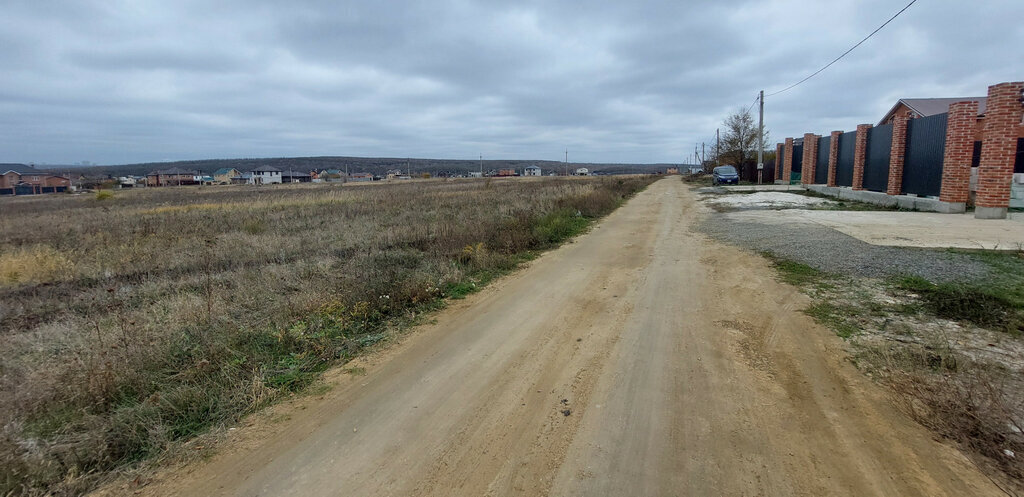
<point x="810" y="158"/>
<point x="778" y="161"/>
<point x="787" y="167"/>
<point x="956" y="163"/>
<point x="833" y="157"/>
<point x="1003" y="112"/>
<point x="897" y="154"/>
<point x="860" y="153"/>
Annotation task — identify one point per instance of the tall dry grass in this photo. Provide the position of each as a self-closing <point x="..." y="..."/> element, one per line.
<point x="142" y="321"/>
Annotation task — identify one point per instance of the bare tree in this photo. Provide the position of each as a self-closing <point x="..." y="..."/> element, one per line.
<point x="739" y="140"/>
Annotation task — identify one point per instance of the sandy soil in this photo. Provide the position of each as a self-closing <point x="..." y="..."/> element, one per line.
<point x="643" y="359"/>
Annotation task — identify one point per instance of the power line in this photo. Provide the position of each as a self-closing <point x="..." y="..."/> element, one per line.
<point x="756" y="98"/>
<point x="844" y="53"/>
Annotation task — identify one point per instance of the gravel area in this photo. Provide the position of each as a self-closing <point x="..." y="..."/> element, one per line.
<point x="830" y="250"/>
<point x="766" y="200"/>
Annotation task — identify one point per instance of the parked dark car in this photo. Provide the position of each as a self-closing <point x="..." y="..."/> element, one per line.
<point x="725" y="175"/>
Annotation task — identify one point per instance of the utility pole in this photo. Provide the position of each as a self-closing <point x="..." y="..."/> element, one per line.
<point x="718" y="149"/>
<point x="702" y="154"/>
<point x="566" y="162"/>
<point x="481" y="165"/>
<point x="760" y="139"/>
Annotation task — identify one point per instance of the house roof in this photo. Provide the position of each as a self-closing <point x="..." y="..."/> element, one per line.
<point x="18" y="168"/>
<point x="532" y="167"/>
<point x="293" y="173"/>
<point x="266" y="169"/>
<point x="224" y="170"/>
<point x="173" y="170"/>
<point x="931" y="106"/>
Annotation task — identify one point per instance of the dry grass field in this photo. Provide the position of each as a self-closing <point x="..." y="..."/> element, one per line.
<point x="136" y="322"/>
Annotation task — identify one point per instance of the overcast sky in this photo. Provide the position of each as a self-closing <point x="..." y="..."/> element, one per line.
<point x="613" y="81"/>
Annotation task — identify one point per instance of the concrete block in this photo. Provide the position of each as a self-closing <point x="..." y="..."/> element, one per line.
<point x="906" y="202"/>
<point x="990" y="212"/>
<point x="831" y="191"/>
<point x="936" y="205"/>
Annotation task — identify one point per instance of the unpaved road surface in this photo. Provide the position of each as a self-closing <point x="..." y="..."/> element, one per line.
<point x="640" y="360"/>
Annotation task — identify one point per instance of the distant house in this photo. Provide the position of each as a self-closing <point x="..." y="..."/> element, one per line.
<point x="924" y="107"/>
<point x="332" y="176"/>
<point x="672" y="170"/>
<point x="242" y="179"/>
<point x="19" y="179"/>
<point x="506" y="172"/>
<point x="266" y="175"/>
<point x="174" y="176"/>
<point x="295" y="177"/>
<point x="360" y="177"/>
<point x="223" y="175"/>
<point x="531" y="171"/>
<point x="582" y="171"/>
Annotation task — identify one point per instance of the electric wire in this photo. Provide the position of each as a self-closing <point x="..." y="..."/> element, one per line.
<point x="844" y="53"/>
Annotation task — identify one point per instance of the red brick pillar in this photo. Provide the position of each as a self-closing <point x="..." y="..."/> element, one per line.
<point x="956" y="163"/>
<point x="1003" y="112"/>
<point x="860" y="153"/>
<point x="787" y="167"/>
<point x="833" y="157"/>
<point x="810" y="158"/>
<point x="778" y="161"/>
<point x="897" y="154"/>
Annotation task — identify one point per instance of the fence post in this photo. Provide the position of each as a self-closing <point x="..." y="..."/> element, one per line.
<point x="778" y="161"/>
<point x="860" y="155"/>
<point x="833" y="157"/>
<point x="809" y="159"/>
<point x="1003" y="111"/>
<point x="956" y="163"/>
<point x="787" y="170"/>
<point x="897" y="154"/>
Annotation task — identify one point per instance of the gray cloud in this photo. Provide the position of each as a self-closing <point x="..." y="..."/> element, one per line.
<point x="130" y="81"/>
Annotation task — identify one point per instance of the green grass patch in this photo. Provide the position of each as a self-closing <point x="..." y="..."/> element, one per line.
<point x="796" y="273"/>
<point x="834" y="316"/>
<point x="986" y="305"/>
<point x="556" y="227"/>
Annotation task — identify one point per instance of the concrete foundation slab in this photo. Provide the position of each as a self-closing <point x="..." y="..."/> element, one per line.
<point x="764" y="188"/>
<point x="906" y="202"/>
<point x="905" y="229"/>
<point x="990" y="212"/>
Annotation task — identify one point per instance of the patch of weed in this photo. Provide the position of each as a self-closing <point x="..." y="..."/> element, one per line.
<point x="795" y="273"/>
<point x="987" y="306"/>
<point x="834" y="316"/>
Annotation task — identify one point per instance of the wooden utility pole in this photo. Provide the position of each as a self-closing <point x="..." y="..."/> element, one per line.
<point x="718" y="149"/>
<point x="760" y="139"/>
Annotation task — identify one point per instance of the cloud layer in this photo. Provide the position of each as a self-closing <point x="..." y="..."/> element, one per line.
<point x="132" y="81"/>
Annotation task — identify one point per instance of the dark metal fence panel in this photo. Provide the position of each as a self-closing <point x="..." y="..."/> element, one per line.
<point x="844" y="164"/>
<point x="876" y="160"/>
<point x="798" y="162"/>
<point x="821" y="165"/>
<point x="1018" y="166"/>
<point x="926" y="144"/>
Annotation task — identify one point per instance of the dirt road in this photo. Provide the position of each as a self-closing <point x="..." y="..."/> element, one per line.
<point x="640" y="360"/>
